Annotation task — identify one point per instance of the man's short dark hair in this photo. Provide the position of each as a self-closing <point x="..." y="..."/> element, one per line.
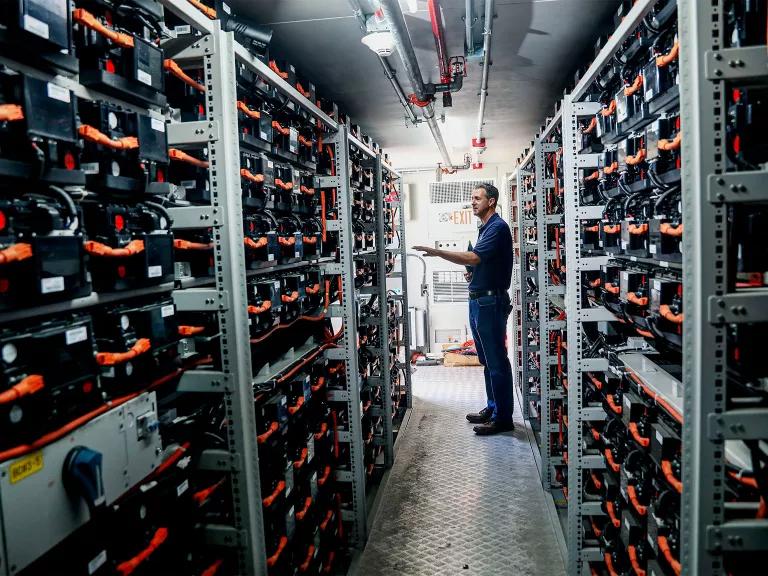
<point x="490" y="191"/>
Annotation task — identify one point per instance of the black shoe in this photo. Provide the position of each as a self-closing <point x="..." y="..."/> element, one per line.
<point x="481" y="417"/>
<point x="494" y="427"/>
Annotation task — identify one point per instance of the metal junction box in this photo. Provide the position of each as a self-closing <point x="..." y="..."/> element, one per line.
<point x="37" y="510"/>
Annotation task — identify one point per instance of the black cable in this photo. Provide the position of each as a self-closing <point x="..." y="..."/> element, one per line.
<point x="161" y="210"/>
<point x="664" y="197"/>
<point x="655" y="177"/>
<point x="68" y="202"/>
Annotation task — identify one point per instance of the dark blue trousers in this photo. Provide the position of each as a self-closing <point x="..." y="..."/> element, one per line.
<point x="488" y="321"/>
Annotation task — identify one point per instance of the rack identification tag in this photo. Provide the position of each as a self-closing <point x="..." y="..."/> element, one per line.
<point x="25" y="467"/>
<point x="76" y="335"/>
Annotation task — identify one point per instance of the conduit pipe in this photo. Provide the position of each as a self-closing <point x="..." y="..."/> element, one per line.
<point x="450" y="80"/>
<point x="478" y="143"/>
<point x="396" y="24"/>
<point x="436" y="16"/>
<point x="390" y="74"/>
<point x="469" y="21"/>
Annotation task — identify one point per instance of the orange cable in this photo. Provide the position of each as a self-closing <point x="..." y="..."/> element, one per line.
<point x="176" y="154"/>
<point x="96" y="136"/>
<point x="190" y="330"/>
<point x="269" y="500"/>
<point x="248" y="175"/>
<point x="611" y="462"/>
<point x="272" y="560"/>
<point x="85" y="18"/>
<point x="644" y="442"/>
<point x="129" y="566"/>
<point x="171" y="66"/>
<point x="308" y="559"/>
<point x="634" y="87"/>
<point x="263" y="437"/>
<point x="98" y="249"/>
<point x="666" y="550"/>
<point x="15" y="253"/>
<point x="666" y="312"/>
<point x="633" y="559"/>
<point x="243" y="107"/>
<point x="209" y="12"/>
<point x="180" y="244"/>
<point x="255" y="244"/>
<point x="666" y="59"/>
<point x="141" y="346"/>
<point x="668" y="230"/>
<point x="632" y="493"/>
<point x="666" y="468"/>
<point x="11" y="113"/>
<point x="28" y="385"/>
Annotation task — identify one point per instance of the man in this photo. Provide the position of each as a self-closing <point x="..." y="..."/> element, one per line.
<point x="491" y="263"/>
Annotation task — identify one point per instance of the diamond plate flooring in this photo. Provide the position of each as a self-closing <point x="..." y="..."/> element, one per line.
<point x="456" y="503"/>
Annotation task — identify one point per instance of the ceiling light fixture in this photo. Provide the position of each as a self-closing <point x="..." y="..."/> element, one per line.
<point x="382" y="43"/>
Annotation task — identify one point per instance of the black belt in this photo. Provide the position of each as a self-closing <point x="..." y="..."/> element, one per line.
<point x="480" y="293"/>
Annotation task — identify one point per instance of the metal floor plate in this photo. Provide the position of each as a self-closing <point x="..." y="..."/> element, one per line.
<point x="456" y="503"/>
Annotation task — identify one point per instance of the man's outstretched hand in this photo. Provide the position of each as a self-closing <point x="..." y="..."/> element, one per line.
<point x="426" y="250"/>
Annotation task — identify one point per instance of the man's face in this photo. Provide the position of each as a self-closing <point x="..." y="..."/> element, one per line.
<point x="480" y="202"/>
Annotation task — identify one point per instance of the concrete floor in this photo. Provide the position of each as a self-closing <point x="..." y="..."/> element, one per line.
<point x="456" y="503"/>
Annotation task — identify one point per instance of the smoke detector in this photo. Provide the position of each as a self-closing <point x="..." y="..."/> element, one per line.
<point x="381" y="42"/>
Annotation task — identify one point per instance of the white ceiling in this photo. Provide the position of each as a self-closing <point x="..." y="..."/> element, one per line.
<point x="537" y="45"/>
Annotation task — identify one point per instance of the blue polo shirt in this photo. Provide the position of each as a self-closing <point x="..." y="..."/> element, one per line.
<point x="494" y="248"/>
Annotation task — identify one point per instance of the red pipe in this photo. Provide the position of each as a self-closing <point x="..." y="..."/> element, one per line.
<point x="435" y="15"/>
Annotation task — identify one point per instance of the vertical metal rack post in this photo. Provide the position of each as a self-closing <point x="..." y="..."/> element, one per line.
<point x="709" y="69"/>
<point x="527" y="375"/>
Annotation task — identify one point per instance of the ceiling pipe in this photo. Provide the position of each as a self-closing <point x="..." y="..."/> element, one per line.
<point x="478" y="143"/>
<point x="390" y="74"/>
<point x="388" y="71"/>
<point x="396" y="22"/>
<point x="469" y="20"/>
<point x="456" y="167"/>
<point x="438" y="30"/>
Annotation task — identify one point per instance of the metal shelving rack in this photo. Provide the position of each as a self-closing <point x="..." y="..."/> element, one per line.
<point x="546" y="291"/>
<point x="229" y="296"/>
<point x="399" y="251"/>
<point x="579" y="312"/>
<point x="406" y="361"/>
<point x="708" y="69"/>
<point x="580" y="553"/>
<point x="527" y="375"/>
<point x="347" y="350"/>
<point x="220" y="52"/>
<point x="513" y="209"/>
<point x="384" y="380"/>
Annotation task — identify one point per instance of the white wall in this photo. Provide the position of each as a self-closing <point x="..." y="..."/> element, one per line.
<point x="417" y="229"/>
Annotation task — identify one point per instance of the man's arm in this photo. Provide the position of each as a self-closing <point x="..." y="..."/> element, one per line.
<point x="463" y="258"/>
